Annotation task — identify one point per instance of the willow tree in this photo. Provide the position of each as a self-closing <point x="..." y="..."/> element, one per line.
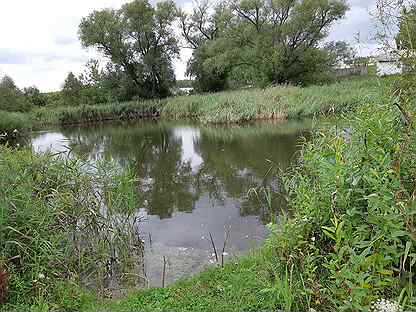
<point x="140" y="39"/>
<point x="266" y="41"/>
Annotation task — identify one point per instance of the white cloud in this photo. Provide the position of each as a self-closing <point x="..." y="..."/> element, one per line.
<point x="39" y="42"/>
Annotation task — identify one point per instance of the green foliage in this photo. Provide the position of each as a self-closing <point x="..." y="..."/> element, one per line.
<point x="406" y="39"/>
<point x="71" y="91"/>
<point x="139" y="38"/>
<point x="225" y="107"/>
<point x="340" y="52"/>
<point x="259" y="42"/>
<point x="13" y="124"/>
<point x="353" y="202"/>
<point x="184" y="83"/>
<point x="34" y="97"/>
<point x="12" y="98"/>
<point x="283" y="102"/>
<point x="51" y="216"/>
<point x="236" y="287"/>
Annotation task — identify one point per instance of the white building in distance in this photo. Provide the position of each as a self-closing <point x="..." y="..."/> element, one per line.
<point x="388" y="64"/>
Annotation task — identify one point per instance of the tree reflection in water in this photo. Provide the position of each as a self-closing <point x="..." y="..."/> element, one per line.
<point x="177" y="165"/>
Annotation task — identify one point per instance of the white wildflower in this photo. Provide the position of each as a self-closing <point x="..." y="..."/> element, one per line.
<point x="383" y="305"/>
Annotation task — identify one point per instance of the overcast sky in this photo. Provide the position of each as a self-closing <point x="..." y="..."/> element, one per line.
<point x="39" y="43"/>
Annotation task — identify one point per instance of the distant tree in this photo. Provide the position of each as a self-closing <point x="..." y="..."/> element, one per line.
<point x="185" y="83"/>
<point x="140" y="40"/>
<point x="71" y="90"/>
<point x="93" y="91"/>
<point x="92" y="73"/>
<point x="34" y="96"/>
<point x="340" y="52"/>
<point x="360" y="61"/>
<point x="11" y="97"/>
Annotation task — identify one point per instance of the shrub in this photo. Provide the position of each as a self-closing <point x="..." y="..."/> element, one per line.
<point x="351" y="240"/>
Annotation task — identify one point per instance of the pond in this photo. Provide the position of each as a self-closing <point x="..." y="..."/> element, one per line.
<point x="193" y="180"/>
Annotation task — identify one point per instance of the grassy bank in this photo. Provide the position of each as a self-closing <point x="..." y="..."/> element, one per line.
<point x="351" y="239"/>
<point x="55" y="238"/>
<point x="225" y="107"/>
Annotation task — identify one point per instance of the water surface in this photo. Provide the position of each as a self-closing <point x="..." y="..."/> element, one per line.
<point x="193" y="180"/>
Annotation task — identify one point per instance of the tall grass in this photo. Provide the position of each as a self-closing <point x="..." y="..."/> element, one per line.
<point x="64" y="225"/>
<point x="13" y="124"/>
<point x="280" y="103"/>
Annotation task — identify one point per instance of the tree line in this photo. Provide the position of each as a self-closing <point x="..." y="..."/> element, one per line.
<point x="234" y="43"/>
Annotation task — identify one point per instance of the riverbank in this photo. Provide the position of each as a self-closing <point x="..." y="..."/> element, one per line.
<point x="350" y="241"/>
<point x="278" y="103"/>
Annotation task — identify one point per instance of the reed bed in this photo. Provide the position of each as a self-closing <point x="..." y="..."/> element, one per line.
<point x="239" y="106"/>
<point x="65" y="226"/>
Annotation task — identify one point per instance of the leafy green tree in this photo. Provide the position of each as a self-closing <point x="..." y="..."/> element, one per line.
<point x="71" y="90"/>
<point x="340" y="52"/>
<point x="11" y="97"/>
<point x="263" y="42"/>
<point x="203" y="25"/>
<point x="140" y="40"/>
<point x="34" y="96"/>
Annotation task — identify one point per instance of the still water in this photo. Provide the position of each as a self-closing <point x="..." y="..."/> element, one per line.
<point x="193" y="180"/>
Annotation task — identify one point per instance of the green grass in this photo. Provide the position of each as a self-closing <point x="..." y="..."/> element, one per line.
<point x="10" y="122"/>
<point x="280" y="103"/>
<point x="236" y="287"/>
<point x="53" y="231"/>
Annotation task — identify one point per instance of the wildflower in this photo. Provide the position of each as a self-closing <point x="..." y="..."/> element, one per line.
<point x="313" y="239"/>
<point x="383" y="305"/>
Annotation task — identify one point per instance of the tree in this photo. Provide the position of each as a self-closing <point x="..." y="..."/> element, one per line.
<point x="71" y="90"/>
<point x="139" y="39"/>
<point x="11" y="97"/>
<point x="262" y="41"/>
<point x="406" y="39"/>
<point x="340" y="52"/>
<point x="203" y="25"/>
<point x="34" y="96"/>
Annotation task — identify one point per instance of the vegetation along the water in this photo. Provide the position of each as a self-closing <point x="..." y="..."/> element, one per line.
<point x="343" y="235"/>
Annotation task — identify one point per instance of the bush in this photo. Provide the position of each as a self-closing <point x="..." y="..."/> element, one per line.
<point x="351" y="239"/>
